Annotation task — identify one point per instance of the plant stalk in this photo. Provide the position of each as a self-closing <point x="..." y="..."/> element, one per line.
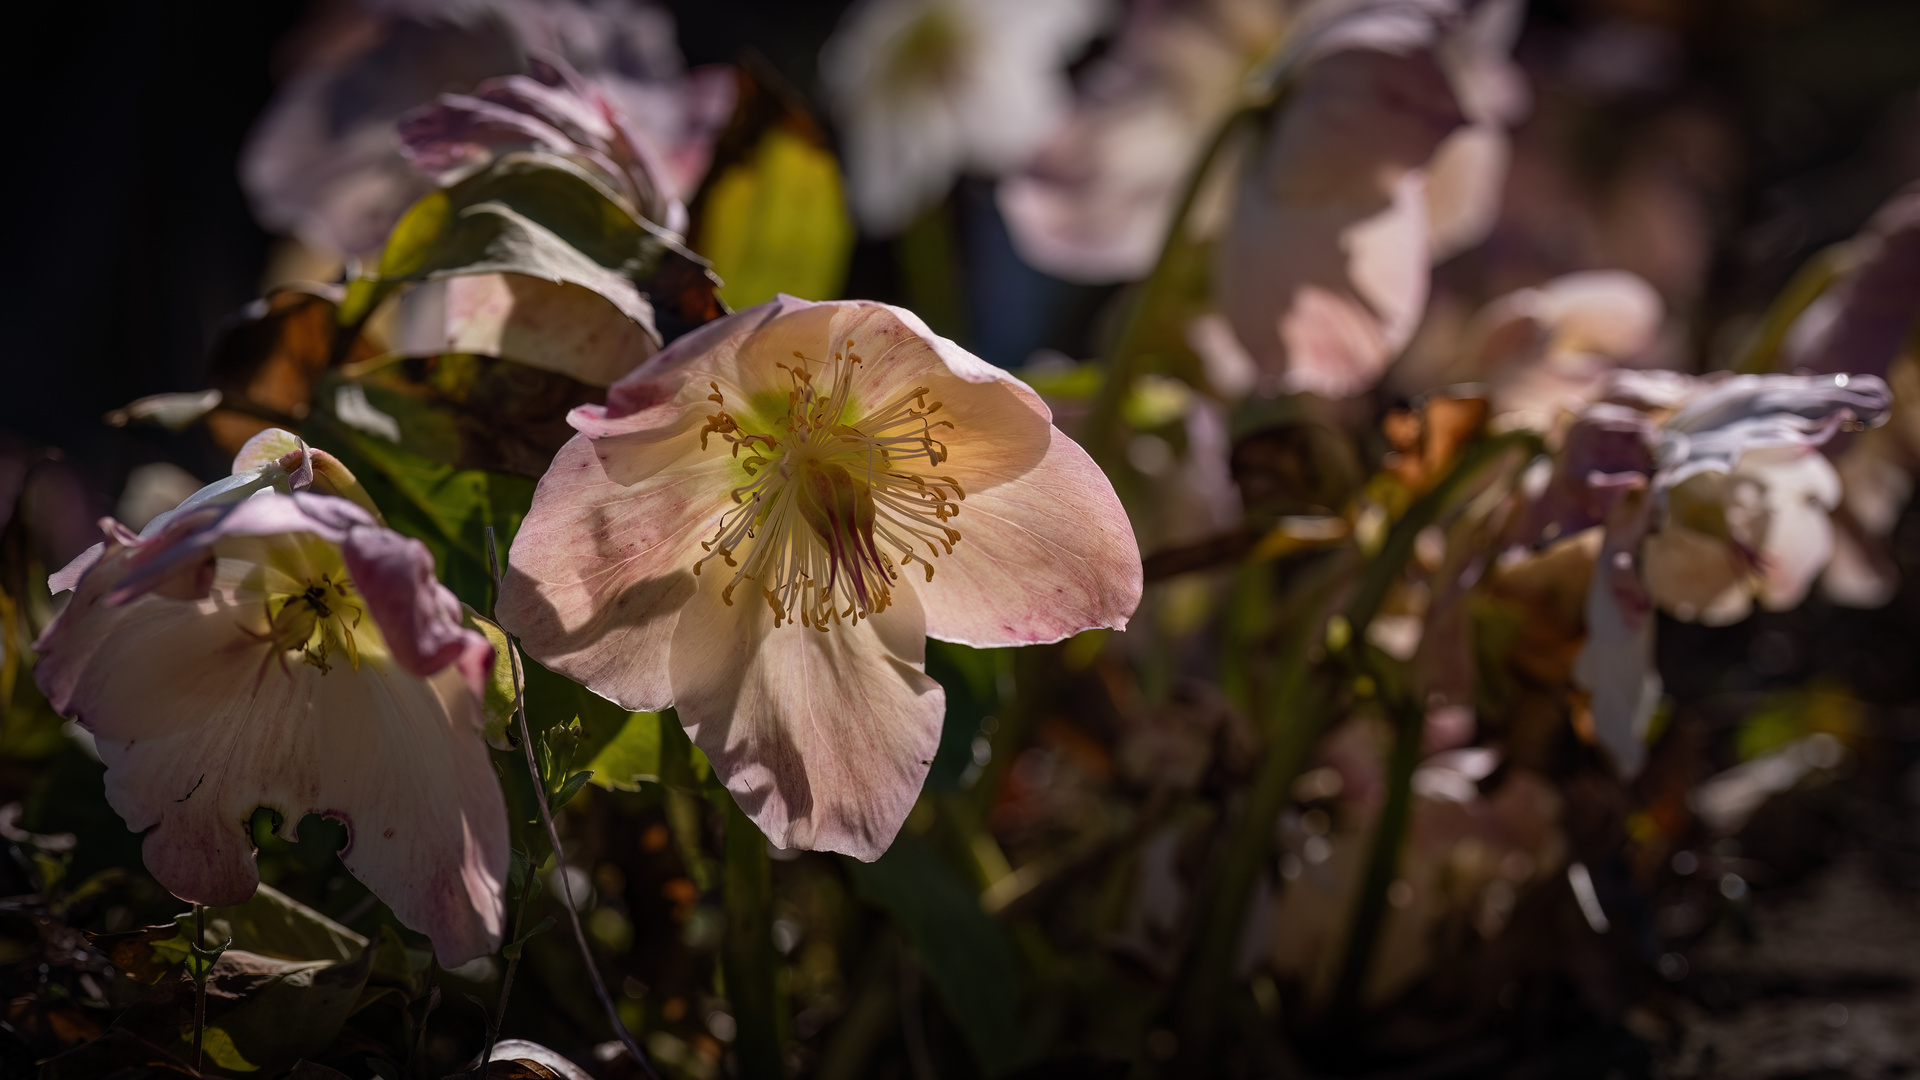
<point x="553" y="838"/>
<point x="1295" y="712"/>
<point x="749" y="958"/>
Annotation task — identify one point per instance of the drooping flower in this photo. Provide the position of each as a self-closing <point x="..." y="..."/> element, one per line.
<point x="926" y="89"/>
<point x="1096" y="201"/>
<point x="265" y="646"/>
<point x="1547" y="351"/>
<point x="1387" y="153"/>
<point x="556" y="326"/>
<point x="766" y="521"/>
<point x="322" y="163"/>
<point x="1713" y="494"/>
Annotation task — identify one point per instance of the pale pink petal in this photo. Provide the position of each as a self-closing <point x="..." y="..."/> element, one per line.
<point x="1802" y="489"/>
<point x="604" y="559"/>
<point x="824" y="739"/>
<point x="420" y="618"/>
<point x="1040" y="558"/>
<point x="1696" y="577"/>
<point x="198" y="726"/>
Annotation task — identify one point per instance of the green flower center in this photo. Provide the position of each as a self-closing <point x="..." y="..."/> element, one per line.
<point x="833" y="509"/>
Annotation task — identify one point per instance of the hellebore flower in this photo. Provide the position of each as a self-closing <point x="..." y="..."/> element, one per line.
<point x="925" y="89"/>
<point x="1095" y="204"/>
<point x="1713" y="494"/>
<point x="284" y="650"/>
<point x="553" y="325"/>
<point x="765" y="522"/>
<point x="322" y="162"/>
<point x="1322" y="270"/>
<point x="1865" y="322"/>
<point x="1548" y="351"/>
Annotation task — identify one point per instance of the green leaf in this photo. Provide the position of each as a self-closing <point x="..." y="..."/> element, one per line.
<point x="631" y="756"/>
<point x="445" y="507"/>
<point x="777" y="221"/>
<point x="568" y="789"/>
<point x="497" y="705"/>
<point x="528" y="213"/>
<point x="275" y="1012"/>
<point x="276" y="925"/>
<point x="966" y="954"/>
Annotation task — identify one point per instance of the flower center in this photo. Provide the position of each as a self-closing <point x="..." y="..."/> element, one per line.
<point x="314" y="623"/>
<point x="833" y="508"/>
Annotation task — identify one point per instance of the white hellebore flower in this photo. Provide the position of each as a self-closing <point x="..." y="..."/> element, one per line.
<point x="926" y="89"/>
<point x="266" y="646"/>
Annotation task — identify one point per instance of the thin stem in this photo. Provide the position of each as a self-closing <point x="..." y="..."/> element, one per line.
<point x="1103" y="420"/>
<point x="1383" y="860"/>
<point x="1294" y="712"/>
<point x="201" y="969"/>
<point x="513" y="965"/>
<point x="553" y="838"/>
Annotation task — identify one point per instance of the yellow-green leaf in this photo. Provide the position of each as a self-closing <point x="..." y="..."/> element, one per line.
<point x="777" y="222"/>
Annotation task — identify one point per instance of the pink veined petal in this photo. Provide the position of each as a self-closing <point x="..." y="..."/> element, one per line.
<point x="419" y="617"/>
<point x="198" y="726"/>
<point x="824" y="739"/>
<point x="1042" y="556"/>
<point x="604" y="560"/>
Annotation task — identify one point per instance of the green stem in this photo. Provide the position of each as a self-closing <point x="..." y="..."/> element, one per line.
<point x="1383" y="859"/>
<point x="748" y="957"/>
<point x="1296" y="710"/>
<point x="553" y="838"/>
<point x="1101" y="430"/>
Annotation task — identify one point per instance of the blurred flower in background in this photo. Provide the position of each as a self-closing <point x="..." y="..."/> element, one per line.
<point x="928" y="89"/>
<point x="1096" y="202"/>
<point x="324" y="163"/>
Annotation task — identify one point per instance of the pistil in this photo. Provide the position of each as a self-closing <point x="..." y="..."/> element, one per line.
<point x="834" y="509"/>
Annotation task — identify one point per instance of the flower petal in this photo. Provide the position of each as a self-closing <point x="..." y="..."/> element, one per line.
<point x="198" y="727"/>
<point x="1616" y="663"/>
<point x="603" y="562"/>
<point x="420" y="618"/>
<point x="1041" y="557"/>
<point x="824" y="738"/>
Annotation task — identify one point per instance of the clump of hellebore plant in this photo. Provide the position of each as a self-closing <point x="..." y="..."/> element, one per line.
<point x="267" y="645"/>
<point x="766" y="521"/>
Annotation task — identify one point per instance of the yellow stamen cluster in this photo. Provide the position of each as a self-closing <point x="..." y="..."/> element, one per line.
<point x="313" y="623"/>
<point x="833" y="497"/>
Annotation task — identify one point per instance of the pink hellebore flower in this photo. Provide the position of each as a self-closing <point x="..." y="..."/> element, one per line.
<point x="766" y="521"/>
<point x="322" y="161"/>
<point x="1388" y="153"/>
<point x="1713" y="493"/>
<point x="285" y="650"/>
